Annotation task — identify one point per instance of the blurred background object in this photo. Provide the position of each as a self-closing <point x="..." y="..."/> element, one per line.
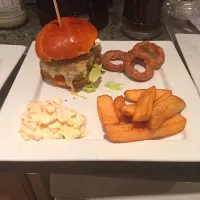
<point x="182" y="9"/>
<point x="94" y="10"/>
<point x="141" y="19"/>
<point x="12" y="13"/>
<point x="117" y="8"/>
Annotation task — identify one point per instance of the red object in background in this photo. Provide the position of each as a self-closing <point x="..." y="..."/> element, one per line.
<point x="145" y="12"/>
<point x="141" y="18"/>
<point x="96" y="11"/>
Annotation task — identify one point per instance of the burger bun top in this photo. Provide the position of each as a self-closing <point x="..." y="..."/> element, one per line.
<point x="75" y="37"/>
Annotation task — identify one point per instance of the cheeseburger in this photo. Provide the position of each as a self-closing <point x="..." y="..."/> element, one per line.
<point x="70" y="53"/>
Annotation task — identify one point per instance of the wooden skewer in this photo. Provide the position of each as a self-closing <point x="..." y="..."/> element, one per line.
<point x="57" y="12"/>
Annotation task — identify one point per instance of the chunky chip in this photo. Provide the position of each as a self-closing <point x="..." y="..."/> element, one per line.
<point x="145" y="105"/>
<point x="134" y="95"/>
<point x="119" y="133"/>
<point x="165" y="109"/>
<point x="106" y="110"/>
<point x="128" y="110"/>
<point x="170" y="127"/>
<point x="119" y="102"/>
<point x="163" y="97"/>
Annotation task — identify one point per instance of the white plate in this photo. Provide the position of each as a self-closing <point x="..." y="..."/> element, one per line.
<point x="196" y="21"/>
<point x="29" y="85"/>
<point x="190" y="47"/>
<point x="9" y="57"/>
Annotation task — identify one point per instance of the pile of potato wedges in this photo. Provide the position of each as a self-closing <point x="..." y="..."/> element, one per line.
<point x="141" y="115"/>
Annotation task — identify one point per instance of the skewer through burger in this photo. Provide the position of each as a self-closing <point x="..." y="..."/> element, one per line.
<point x="68" y="54"/>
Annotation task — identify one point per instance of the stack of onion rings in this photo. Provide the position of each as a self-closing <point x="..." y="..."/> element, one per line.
<point x="147" y="54"/>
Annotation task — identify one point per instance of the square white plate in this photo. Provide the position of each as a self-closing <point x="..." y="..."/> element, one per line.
<point x="190" y="48"/>
<point x="9" y="57"/>
<point x="196" y="21"/>
<point x="28" y="85"/>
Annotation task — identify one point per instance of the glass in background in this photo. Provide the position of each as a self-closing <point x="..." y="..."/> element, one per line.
<point x="117" y="8"/>
<point x="141" y="19"/>
<point x="182" y="9"/>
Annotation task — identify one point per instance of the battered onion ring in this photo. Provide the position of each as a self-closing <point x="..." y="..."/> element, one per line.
<point x="129" y="63"/>
<point x="113" y="55"/>
<point x="150" y="51"/>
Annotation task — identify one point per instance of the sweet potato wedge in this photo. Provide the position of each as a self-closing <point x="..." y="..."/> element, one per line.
<point x="144" y="106"/>
<point x="106" y="110"/>
<point x="139" y="125"/>
<point x="134" y="95"/>
<point x="164" y="96"/>
<point x="119" y="102"/>
<point x="119" y="133"/>
<point x="170" y="127"/>
<point x="128" y="110"/>
<point x="164" y="110"/>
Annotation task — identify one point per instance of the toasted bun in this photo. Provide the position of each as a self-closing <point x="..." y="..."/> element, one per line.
<point x="76" y="37"/>
<point x="59" y="80"/>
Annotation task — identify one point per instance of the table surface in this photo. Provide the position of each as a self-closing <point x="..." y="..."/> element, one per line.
<point x="27" y="33"/>
<point x="141" y="170"/>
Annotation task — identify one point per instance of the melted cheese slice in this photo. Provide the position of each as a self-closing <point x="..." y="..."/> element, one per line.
<point x="74" y="69"/>
<point x="70" y="71"/>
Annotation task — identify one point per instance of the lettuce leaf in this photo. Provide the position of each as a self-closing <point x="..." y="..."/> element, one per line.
<point x="89" y="88"/>
<point x="114" y="86"/>
<point x="93" y="77"/>
<point x="95" y="73"/>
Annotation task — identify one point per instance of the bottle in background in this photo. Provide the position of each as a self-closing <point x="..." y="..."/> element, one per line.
<point x="142" y="18"/>
<point x="96" y="11"/>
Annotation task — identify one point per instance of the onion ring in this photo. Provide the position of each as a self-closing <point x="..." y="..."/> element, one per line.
<point x="150" y="51"/>
<point x="113" y="55"/>
<point x="130" y="62"/>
